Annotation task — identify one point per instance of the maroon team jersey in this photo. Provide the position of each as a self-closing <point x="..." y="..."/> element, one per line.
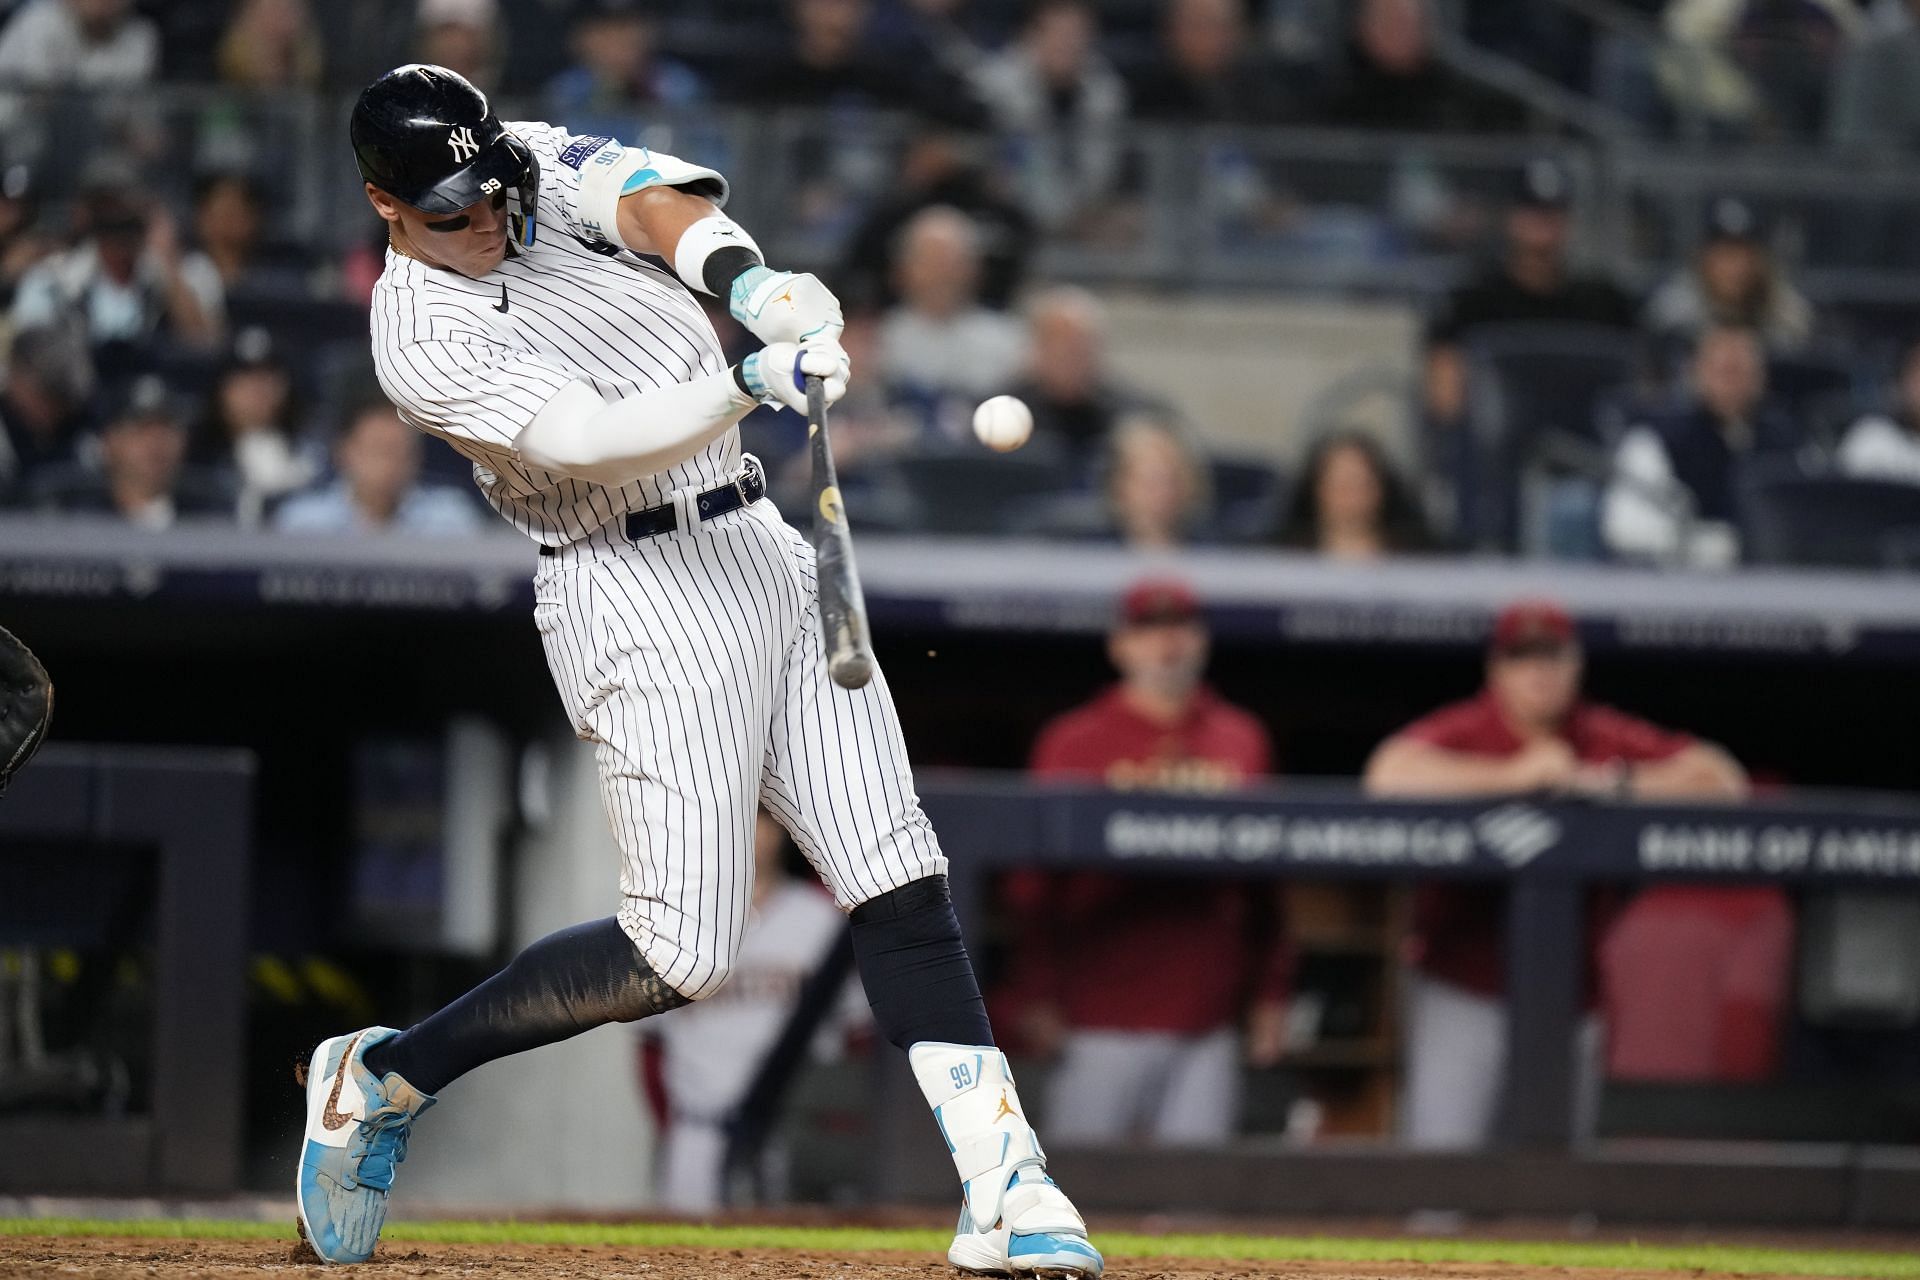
<point x="1134" y="953"/>
<point x="1458" y="928"/>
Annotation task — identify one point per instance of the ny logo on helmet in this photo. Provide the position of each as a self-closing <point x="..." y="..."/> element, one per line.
<point x="464" y="147"/>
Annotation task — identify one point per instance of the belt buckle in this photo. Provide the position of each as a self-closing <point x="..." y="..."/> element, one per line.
<point x="749" y="471"/>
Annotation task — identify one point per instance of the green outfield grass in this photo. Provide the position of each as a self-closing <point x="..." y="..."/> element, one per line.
<point x="1696" y="1258"/>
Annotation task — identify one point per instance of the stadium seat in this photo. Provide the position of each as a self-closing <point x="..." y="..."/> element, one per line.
<point x="1528" y="385"/>
<point x="1788" y="517"/>
<point x="1817" y="388"/>
<point x="1247" y="497"/>
<point x="972" y="491"/>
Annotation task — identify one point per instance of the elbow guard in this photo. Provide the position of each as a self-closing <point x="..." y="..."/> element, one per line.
<point x="712" y="253"/>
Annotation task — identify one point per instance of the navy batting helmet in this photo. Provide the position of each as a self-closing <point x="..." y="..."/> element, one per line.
<point x="427" y="137"/>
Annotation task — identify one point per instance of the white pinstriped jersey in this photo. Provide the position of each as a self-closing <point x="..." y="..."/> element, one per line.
<point x="691" y="658"/>
<point x="576" y="308"/>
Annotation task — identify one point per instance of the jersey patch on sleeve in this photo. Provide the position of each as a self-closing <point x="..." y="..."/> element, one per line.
<point x="576" y="154"/>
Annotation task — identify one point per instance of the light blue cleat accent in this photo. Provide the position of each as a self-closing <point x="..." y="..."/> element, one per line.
<point x="1048" y="1253"/>
<point x="357" y="1130"/>
<point x="1060" y="1253"/>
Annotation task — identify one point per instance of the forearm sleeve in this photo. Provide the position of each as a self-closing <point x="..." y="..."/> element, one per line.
<point x="579" y="434"/>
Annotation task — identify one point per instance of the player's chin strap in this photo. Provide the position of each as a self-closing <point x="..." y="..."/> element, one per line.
<point x="972" y="1094"/>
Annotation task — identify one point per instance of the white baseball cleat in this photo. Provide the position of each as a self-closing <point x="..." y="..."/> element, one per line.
<point x="357" y="1130"/>
<point x="1013" y="1220"/>
<point x="1039" y="1233"/>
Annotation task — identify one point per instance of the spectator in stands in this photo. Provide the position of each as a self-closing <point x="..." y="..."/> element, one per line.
<point x="226" y="224"/>
<point x="272" y="45"/>
<point x="82" y="44"/>
<point x="617" y="68"/>
<point x="466" y="36"/>
<point x="1350" y="503"/>
<point x="233" y="258"/>
<point x="43" y="409"/>
<point x="22" y="243"/>
<point x="701" y="1066"/>
<point x="1886" y="446"/>
<point x="143" y="478"/>
<point x="1140" y="984"/>
<point x="1528" y="731"/>
<point x="1063" y="108"/>
<point x="1533" y="283"/>
<point x="949" y="34"/>
<point x="1392" y="80"/>
<point x="940" y="350"/>
<point x="1876" y="92"/>
<point x="1208" y="69"/>
<point x="1156" y="490"/>
<point x="940" y="166"/>
<point x="1671" y="499"/>
<point x="1073" y="395"/>
<point x="824" y="60"/>
<point x="378" y="486"/>
<point x="251" y="426"/>
<point x="124" y="282"/>
<point x="1734" y="279"/>
<point x="1758" y="69"/>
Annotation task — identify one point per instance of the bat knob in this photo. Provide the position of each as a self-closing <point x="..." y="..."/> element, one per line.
<point x="851" y="670"/>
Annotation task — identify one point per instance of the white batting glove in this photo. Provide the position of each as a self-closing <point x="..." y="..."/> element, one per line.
<point x="779" y="306"/>
<point x="777" y="374"/>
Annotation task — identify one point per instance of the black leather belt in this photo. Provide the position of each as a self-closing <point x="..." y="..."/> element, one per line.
<point x="746" y="489"/>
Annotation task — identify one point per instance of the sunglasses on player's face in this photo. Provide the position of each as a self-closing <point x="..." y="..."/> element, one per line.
<point x="460" y="221"/>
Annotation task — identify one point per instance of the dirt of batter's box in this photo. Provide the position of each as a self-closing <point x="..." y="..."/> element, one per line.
<point x="106" y="1259"/>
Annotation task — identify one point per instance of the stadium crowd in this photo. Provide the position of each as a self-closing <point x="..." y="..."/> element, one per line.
<point x="1559" y="409"/>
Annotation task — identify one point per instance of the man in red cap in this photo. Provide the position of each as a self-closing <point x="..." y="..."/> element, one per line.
<point x="1140" y="984"/>
<point x="1528" y="730"/>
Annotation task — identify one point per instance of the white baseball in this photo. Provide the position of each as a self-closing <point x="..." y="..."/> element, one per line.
<point x="1003" y="423"/>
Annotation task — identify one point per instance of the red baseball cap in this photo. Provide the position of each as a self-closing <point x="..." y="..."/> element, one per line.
<point x="1532" y="624"/>
<point x="1152" y="600"/>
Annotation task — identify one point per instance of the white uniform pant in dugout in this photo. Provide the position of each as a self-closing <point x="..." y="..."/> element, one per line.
<point x="693" y="660"/>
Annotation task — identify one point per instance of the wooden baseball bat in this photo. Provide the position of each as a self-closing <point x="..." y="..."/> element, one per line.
<point x="843" y="608"/>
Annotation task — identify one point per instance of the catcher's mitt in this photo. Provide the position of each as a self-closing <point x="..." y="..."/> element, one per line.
<point x="26" y="705"/>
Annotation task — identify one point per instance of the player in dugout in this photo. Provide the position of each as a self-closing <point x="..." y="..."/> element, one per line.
<point x="1142" y="986"/>
<point x="1529" y="730"/>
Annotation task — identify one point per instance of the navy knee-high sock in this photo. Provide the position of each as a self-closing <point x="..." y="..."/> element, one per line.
<point x="915" y="967"/>
<point x="566" y="983"/>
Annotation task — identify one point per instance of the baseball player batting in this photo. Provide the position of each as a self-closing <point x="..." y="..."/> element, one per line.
<point x="521" y="320"/>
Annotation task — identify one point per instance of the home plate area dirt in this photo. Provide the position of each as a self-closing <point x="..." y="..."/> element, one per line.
<point x="109" y="1259"/>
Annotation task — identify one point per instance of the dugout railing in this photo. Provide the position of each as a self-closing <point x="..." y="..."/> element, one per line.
<point x="1548" y="852"/>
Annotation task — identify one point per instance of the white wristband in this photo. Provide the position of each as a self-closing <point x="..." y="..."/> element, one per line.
<point x="699" y="241"/>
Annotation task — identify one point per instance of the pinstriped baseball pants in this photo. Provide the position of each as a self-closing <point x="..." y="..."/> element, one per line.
<point x="693" y="661"/>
